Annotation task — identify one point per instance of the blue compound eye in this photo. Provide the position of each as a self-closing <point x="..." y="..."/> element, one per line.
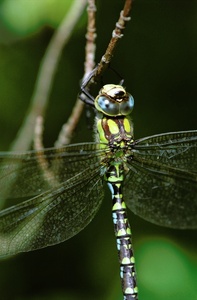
<point x="126" y="107"/>
<point x="107" y="106"/>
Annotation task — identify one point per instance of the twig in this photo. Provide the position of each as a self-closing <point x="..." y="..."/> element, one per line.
<point x="46" y="74"/>
<point x="117" y="34"/>
<point x="43" y="86"/>
<point x="38" y="133"/>
<point x="68" y="128"/>
<point x="42" y="161"/>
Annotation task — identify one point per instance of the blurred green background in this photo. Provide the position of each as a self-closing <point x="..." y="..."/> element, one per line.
<point x="157" y="57"/>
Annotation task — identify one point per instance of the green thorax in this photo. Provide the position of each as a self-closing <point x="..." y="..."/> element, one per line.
<point x="115" y="131"/>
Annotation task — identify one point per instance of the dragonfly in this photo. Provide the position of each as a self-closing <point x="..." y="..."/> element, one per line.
<point x="62" y="188"/>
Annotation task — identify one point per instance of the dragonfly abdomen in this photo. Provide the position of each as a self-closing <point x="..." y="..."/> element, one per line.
<point x="123" y="239"/>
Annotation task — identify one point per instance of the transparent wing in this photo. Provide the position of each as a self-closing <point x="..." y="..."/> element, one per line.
<point x="53" y="216"/>
<point x="161" y="186"/>
<point x="34" y="172"/>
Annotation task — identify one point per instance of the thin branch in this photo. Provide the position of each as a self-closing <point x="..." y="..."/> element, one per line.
<point x="38" y="133"/>
<point x="117" y="34"/>
<point x="46" y="74"/>
<point x="38" y="144"/>
<point x="68" y="128"/>
<point x="90" y="37"/>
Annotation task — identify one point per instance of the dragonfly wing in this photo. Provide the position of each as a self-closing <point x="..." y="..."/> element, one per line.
<point x="53" y="216"/>
<point x="31" y="173"/>
<point x="161" y="186"/>
<point x="177" y="149"/>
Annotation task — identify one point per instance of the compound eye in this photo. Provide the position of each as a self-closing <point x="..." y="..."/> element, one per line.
<point x="106" y="106"/>
<point x="127" y="106"/>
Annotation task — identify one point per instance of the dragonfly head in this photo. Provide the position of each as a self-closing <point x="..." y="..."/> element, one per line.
<point x="113" y="100"/>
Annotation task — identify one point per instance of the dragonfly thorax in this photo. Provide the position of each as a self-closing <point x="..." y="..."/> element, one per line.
<point x="114" y="131"/>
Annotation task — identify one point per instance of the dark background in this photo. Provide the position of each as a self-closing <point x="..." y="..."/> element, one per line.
<point x="157" y="58"/>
